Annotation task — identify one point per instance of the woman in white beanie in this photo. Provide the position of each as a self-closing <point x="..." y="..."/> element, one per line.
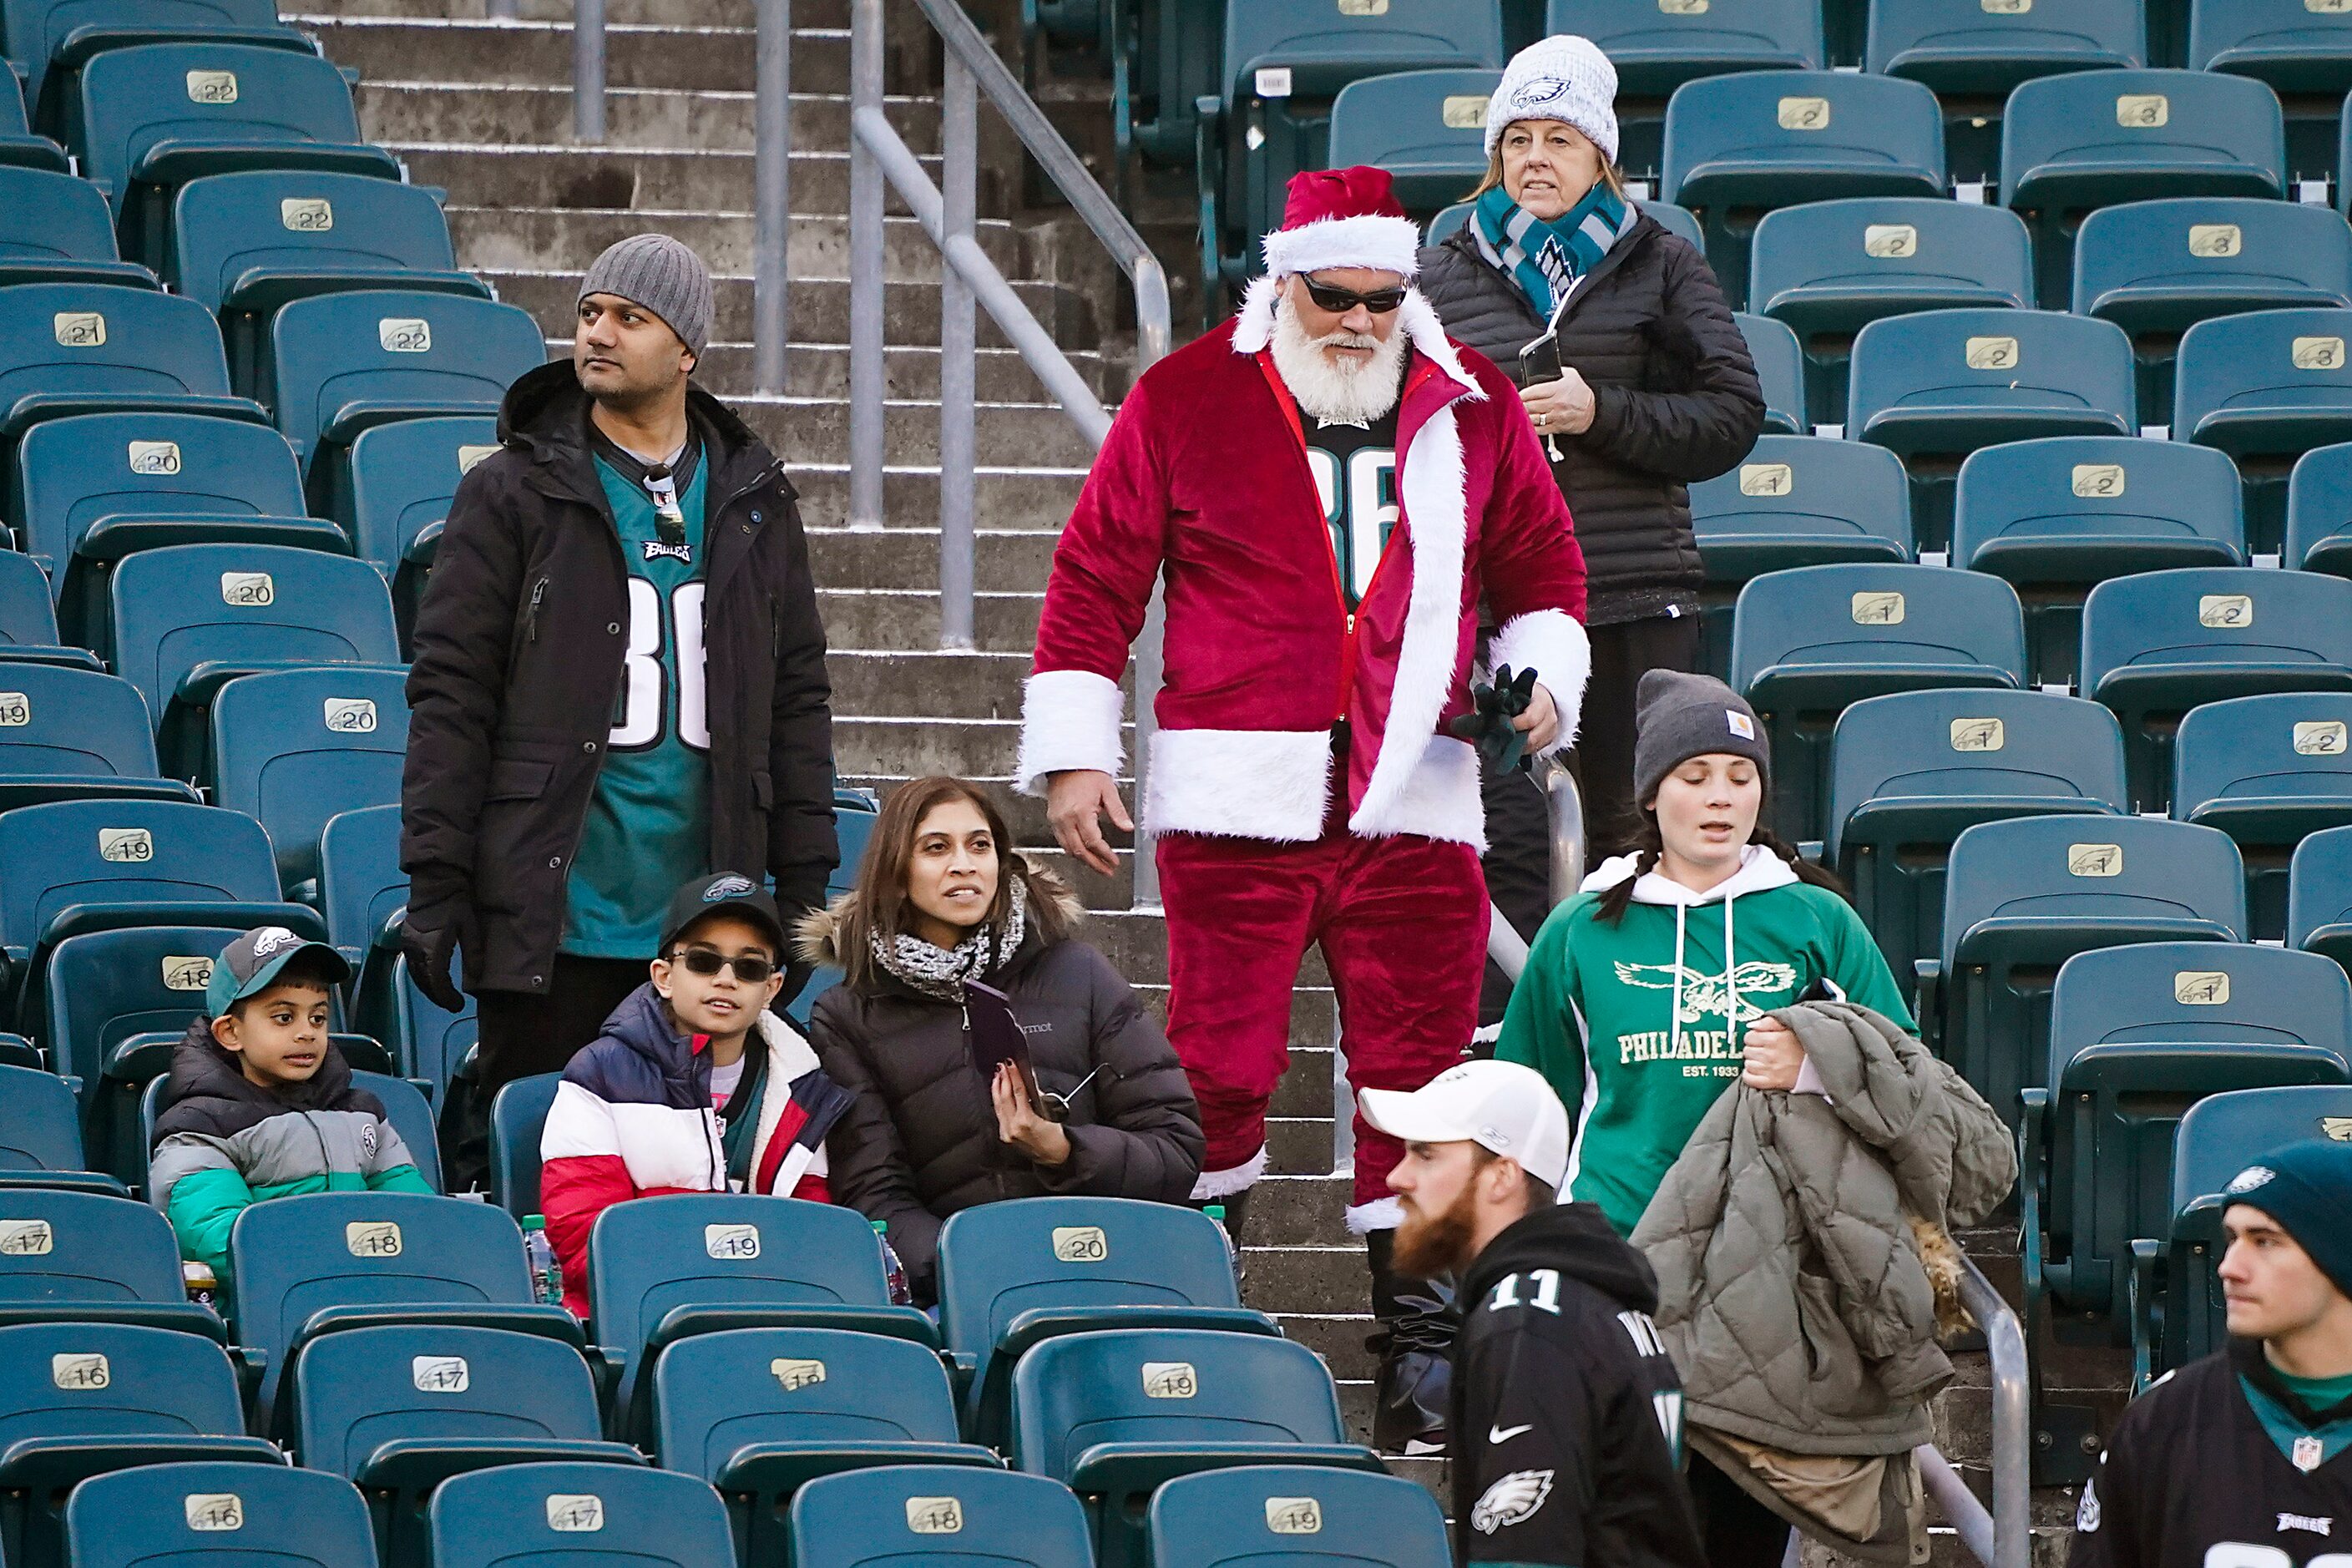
<point x="1652" y="388"/>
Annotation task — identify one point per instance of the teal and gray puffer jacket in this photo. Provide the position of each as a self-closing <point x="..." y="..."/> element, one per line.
<point x="222" y="1143"/>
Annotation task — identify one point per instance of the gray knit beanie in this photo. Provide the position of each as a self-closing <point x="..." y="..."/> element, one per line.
<point x="1677" y="717"/>
<point x="665" y="276"/>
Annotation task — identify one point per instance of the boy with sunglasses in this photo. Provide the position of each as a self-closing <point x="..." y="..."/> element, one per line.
<point x="694" y="1086"/>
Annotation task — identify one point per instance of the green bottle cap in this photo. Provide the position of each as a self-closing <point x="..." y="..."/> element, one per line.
<point x="882" y="1228"/>
<point x="534" y="1221"/>
<point x="1216" y="1212"/>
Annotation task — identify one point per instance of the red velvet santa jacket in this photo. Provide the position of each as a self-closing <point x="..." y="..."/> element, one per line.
<point x="1204" y="478"/>
<point x="633" y="1119"/>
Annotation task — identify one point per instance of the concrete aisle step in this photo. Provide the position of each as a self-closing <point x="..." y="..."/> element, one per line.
<point x="468" y="115"/>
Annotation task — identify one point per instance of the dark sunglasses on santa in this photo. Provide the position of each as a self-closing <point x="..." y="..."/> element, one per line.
<point x="750" y="968"/>
<point x="1339" y="302"/>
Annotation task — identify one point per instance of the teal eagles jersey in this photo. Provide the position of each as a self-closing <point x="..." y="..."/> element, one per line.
<point x="648" y="824"/>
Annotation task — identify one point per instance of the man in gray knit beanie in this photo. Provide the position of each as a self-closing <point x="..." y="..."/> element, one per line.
<point x="618" y="686"/>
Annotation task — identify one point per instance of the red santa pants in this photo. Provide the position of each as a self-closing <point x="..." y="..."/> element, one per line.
<point x="1402" y="925"/>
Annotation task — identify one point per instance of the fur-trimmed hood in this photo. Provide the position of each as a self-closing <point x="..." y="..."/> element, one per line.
<point x="1054" y="912"/>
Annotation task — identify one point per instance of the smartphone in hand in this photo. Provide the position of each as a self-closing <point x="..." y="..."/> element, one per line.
<point x="1540" y="361"/>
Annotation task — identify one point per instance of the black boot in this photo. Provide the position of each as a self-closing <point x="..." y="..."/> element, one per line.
<point x="1412" y="1393"/>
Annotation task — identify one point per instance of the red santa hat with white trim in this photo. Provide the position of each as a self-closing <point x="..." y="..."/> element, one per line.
<point x="1343" y="217"/>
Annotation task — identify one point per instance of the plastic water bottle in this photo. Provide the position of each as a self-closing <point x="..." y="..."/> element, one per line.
<point x="546" y="1273"/>
<point x="893" y="1271"/>
<point x="1216" y="1213"/>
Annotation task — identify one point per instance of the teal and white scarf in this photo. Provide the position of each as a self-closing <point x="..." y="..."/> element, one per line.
<point x="1548" y="259"/>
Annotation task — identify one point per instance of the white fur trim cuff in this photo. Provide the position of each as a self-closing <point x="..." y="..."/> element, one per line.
<point x="1380" y="1214"/>
<point x="1241" y="1178"/>
<point x="1069" y="719"/>
<point x="1554" y="642"/>
<point x="1441" y="799"/>
<point x="1240" y="784"/>
<point x="1367" y="239"/>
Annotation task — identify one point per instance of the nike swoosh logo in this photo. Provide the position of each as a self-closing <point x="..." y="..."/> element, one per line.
<point x="1505" y="1434"/>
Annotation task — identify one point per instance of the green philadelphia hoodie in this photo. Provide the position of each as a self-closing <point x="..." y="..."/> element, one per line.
<point x="1640" y="1024"/>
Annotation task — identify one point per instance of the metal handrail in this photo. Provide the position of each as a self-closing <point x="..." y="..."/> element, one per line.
<point x="588" y="70"/>
<point x="970" y="277"/>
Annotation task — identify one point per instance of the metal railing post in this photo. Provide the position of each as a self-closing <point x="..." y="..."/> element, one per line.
<point x="588" y="70"/>
<point x="504" y="10"/>
<point x="771" y="203"/>
<point x="865" y="283"/>
<point x="958" y="349"/>
<point x="2013" y="1418"/>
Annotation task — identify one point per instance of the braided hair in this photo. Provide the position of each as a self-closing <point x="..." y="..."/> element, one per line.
<point x="1649" y="847"/>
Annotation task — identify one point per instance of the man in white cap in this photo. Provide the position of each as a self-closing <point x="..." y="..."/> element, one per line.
<point x="1567" y="1414"/>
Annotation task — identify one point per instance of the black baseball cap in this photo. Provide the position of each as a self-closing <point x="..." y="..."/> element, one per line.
<point x="248" y="965"/>
<point x="728" y="893"/>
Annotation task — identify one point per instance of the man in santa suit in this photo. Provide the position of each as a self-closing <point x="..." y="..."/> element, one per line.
<point x="1327" y="485"/>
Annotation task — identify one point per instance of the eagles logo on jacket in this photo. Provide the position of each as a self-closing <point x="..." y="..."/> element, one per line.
<point x="633" y="1119"/>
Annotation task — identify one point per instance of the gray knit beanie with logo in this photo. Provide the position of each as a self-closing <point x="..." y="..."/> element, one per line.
<point x="665" y="276"/>
<point x="1677" y="717"/>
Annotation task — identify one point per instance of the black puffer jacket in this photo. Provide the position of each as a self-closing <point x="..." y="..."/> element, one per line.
<point x="920" y="1143"/>
<point x="1674" y="400"/>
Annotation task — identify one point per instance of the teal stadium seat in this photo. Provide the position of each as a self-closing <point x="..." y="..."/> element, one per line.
<point x="76" y="734"/>
<point x="1780" y="372"/>
<point x="579" y="1516"/>
<point x="89" y="348"/>
<point x="78" y="1400"/>
<point x="89" y="1257"/>
<point x="177" y="1514"/>
<point x="399" y="1409"/>
<point x="1171" y="57"/>
<point x="1974" y="56"/>
<point x="2095" y="139"/>
<point x="362" y="890"/>
<point x="245" y="243"/>
<point x="2180" y="1314"/>
<point x="51" y="40"/>
<point x="2265" y="386"/>
<point x="1426" y="128"/>
<point x="346" y="363"/>
<point x="28" y="621"/>
<point x="2267" y="770"/>
<point x="2057" y="516"/>
<point x="2303" y="49"/>
<point x="1936" y="385"/>
<point x="2138" y="1035"/>
<point x="151" y="118"/>
<point x="55" y="229"/>
<point x="19" y="147"/>
<point x="1829" y="269"/>
<point x="1113" y="1414"/>
<point x="518" y="1117"/>
<point x="2319" y="895"/>
<point x="2319" y="511"/>
<point x="943" y="1519"/>
<point x="1014" y="1275"/>
<point x="40" y="1135"/>
<point x="2022" y="896"/>
<point x="854" y="812"/>
<point x="1739" y="146"/>
<point x="1656" y="49"/>
<point x="2157" y="644"/>
<point x="1794" y="500"/>
<point x="404" y="476"/>
<point x="1911" y="770"/>
<point x="295" y="747"/>
<point x="760" y="1412"/>
<point x="2156" y="269"/>
<point x="1259" y="1514"/>
<point x="1809" y="642"/>
<point x="662" y="1270"/>
<point x="94" y="488"/>
<point x="361" y="884"/>
<point x="308" y="1266"/>
<point x="430" y="1042"/>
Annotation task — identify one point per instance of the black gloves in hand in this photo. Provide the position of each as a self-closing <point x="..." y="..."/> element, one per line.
<point x="430" y="938"/>
<point x="1488" y="726"/>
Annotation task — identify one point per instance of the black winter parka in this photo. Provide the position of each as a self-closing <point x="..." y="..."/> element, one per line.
<point x="518" y="654"/>
<point x="920" y="1143"/>
<point x="1675" y="400"/>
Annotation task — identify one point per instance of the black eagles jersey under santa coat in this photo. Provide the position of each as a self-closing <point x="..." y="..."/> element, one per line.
<point x="1567" y="1414"/>
<point x="2192" y="1479"/>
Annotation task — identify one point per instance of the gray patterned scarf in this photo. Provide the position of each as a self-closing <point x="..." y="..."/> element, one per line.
<point x="940" y="971"/>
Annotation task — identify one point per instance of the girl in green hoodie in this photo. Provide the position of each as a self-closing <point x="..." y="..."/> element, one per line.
<point x="1645" y="996"/>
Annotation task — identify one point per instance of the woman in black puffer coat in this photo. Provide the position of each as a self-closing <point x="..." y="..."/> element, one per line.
<point x="942" y="899"/>
<point x="1656" y="389"/>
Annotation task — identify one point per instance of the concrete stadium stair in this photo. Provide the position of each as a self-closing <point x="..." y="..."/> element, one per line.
<point x="482" y="109"/>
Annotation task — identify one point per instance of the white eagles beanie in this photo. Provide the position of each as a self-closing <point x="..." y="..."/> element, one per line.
<point x="1560" y="77"/>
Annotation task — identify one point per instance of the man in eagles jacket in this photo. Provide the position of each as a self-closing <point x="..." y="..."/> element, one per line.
<point x="618" y="683"/>
<point x="2239" y="1458"/>
<point x="1567" y="1415"/>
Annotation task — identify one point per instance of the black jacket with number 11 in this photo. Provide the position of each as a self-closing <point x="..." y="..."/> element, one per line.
<point x="519" y="653"/>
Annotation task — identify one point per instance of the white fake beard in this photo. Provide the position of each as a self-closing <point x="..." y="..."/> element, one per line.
<point x="1352" y="394"/>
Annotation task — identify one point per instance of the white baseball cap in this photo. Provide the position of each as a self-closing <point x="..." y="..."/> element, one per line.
<point x="1500" y="1106"/>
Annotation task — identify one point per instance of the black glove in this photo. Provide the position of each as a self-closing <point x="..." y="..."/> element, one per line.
<point x="1489" y="725"/>
<point x="430" y="938"/>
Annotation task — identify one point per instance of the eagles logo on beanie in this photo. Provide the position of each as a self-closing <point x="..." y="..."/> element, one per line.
<point x="1564" y="77"/>
<point x="2307" y="1188"/>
